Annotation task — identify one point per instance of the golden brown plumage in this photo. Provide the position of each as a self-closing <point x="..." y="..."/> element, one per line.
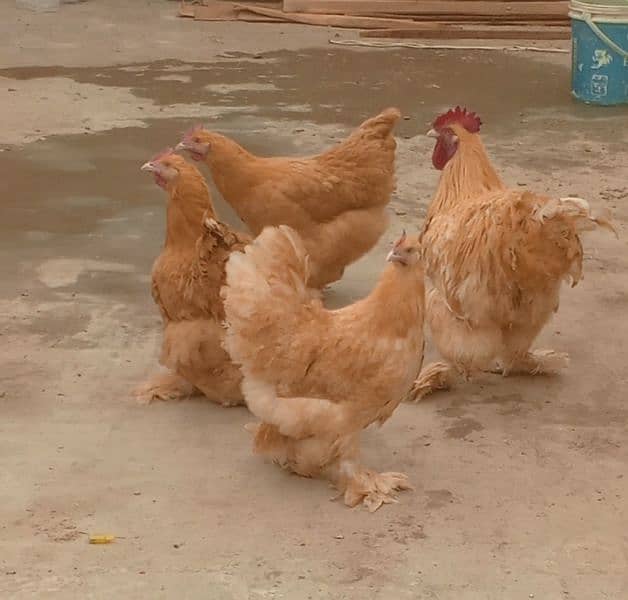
<point x="315" y="378"/>
<point x="336" y="200"/>
<point x="186" y="281"/>
<point x="496" y="258"/>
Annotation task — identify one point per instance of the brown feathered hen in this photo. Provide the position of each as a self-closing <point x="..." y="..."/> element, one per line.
<point x="336" y="200"/>
<point x="316" y="378"/>
<point x="186" y="281"/>
<point x="496" y="257"/>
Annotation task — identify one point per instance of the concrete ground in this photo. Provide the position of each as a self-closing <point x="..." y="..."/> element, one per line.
<point x="521" y="484"/>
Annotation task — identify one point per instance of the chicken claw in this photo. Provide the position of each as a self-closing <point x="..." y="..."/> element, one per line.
<point x="437" y="376"/>
<point x="537" y="362"/>
<point x="163" y="386"/>
<point x="375" y="489"/>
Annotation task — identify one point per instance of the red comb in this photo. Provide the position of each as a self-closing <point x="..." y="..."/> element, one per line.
<point x="469" y="120"/>
<point x="161" y="154"/>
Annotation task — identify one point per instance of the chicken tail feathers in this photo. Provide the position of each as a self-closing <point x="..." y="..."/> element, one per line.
<point x="578" y="211"/>
<point x="383" y="123"/>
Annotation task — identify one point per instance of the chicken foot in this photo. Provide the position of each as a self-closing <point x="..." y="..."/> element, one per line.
<point x="333" y="458"/>
<point x="435" y="377"/>
<point x="537" y="362"/>
<point x="442" y="376"/>
<point x="358" y="485"/>
<point x="164" y="386"/>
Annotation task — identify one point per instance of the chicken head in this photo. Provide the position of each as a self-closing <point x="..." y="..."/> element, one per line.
<point x="405" y="251"/>
<point x="447" y="129"/>
<point x="165" y="167"/>
<point x="196" y="141"/>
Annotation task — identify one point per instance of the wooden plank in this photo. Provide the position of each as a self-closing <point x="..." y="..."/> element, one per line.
<point x="271" y="3"/>
<point x="350" y="22"/>
<point x="476" y="33"/>
<point x="470" y="20"/>
<point x="249" y="17"/>
<point x="349" y="6"/>
<point x="541" y="19"/>
<point x="441" y="7"/>
<point x="217" y="10"/>
<point x="186" y="10"/>
<point x="214" y="10"/>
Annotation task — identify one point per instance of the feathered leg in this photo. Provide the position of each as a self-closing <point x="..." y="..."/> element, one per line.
<point x="518" y="359"/>
<point x="164" y="386"/>
<point x="466" y="350"/>
<point x="336" y="459"/>
<point x="537" y="362"/>
<point x="370" y="488"/>
<point x="193" y="350"/>
<point x="359" y="485"/>
<point x="437" y="376"/>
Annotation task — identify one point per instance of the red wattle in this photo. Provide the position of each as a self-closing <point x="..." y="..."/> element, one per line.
<point x="440" y="156"/>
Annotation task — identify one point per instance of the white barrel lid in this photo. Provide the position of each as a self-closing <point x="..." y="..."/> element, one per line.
<point x="600" y="10"/>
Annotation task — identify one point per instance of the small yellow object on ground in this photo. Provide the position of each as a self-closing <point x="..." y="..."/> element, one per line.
<point x="101" y="539"/>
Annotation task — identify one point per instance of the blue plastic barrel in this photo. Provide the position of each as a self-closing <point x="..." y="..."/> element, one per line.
<point x="599" y="73"/>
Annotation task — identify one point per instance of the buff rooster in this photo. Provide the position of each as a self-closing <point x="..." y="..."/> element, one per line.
<point x="186" y="281"/>
<point x="496" y="258"/>
<point x="336" y="200"/>
<point x="316" y="378"/>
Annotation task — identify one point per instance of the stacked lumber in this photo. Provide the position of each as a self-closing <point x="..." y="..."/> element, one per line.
<point x="428" y="19"/>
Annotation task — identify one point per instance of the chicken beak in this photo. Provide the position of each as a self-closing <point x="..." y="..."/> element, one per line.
<point x="181" y="146"/>
<point x="394" y="257"/>
<point x="149" y="166"/>
<point x="432" y="133"/>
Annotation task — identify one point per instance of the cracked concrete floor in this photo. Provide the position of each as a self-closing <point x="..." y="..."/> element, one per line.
<point x="521" y="484"/>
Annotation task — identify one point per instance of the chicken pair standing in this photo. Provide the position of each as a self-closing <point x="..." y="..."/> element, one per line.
<point x="315" y="378"/>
